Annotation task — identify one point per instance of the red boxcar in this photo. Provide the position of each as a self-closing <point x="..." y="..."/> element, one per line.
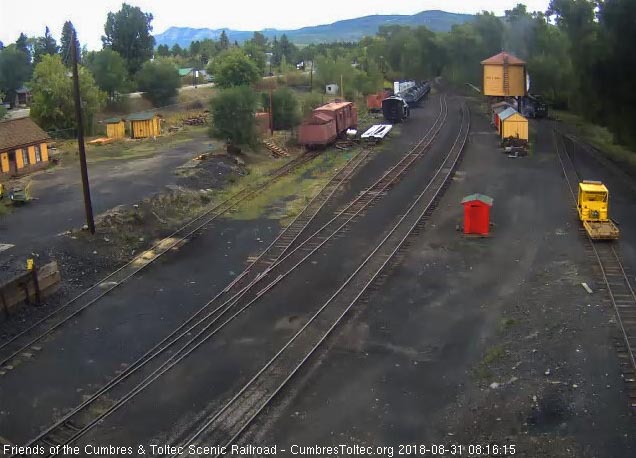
<point x="320" y="129"/>
<point x="374" y="101"/>
<point x="327" y="123"/>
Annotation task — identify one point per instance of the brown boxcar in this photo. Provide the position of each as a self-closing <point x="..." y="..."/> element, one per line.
<point x="318" y="130"/>
<point x="344" y="113"/>
<point x="327" y="123"/>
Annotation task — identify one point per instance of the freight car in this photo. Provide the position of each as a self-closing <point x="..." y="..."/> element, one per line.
<point x="327" y="123"/>
<point x="374" y="101"/>
<point x="395" y="109"/>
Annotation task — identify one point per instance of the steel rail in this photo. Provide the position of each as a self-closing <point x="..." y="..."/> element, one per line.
<point x="331" y="186"/>
<point x="169" y="341"/>
<point x="455" y="151"/>
<point x="209" y="216"/>
<point x="595" y="248"/>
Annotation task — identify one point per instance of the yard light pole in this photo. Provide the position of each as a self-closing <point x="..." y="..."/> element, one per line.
<point x="88" y="207"/>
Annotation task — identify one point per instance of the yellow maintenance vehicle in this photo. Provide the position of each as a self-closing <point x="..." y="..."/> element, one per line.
<point x="593" y="204"/>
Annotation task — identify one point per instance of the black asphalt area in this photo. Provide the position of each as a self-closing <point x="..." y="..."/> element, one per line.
<point x="469" y="340"/>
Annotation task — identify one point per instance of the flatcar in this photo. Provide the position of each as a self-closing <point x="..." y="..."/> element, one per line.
<point x="395" y="109"/>
<point x="327" y="123"/>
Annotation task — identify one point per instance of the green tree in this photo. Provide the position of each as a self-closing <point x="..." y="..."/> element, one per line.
<point x="257" y="53"/>
<point x="260" y="40"/>
<point x="15" y="70"/>
<point x="128" y="33"/>
<point x="234" y="68"/>
<point x="224" y="41"/>
<point x="22" y="45"/>
<point x="53" y="105"/>
<point x="163" y="51"/>
<point x="65" y="43"/>
<point x="3" y="110"/>
<point x="109" y="70"/>
<point x="233" y="112"/>
<point x="283" y="48"/>
<point x="286" y="110"/>
<point x="177" y="51"/>
<point x="159" y="80"/>
<point x="44" y="45"/>
<point x="617" y="19"/>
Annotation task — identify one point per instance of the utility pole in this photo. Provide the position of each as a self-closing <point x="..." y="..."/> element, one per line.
<point x="341" y="87"/>
<point x="311" y="77"/>
<point x="88" y="207"/>
<point x="271" y="112"/>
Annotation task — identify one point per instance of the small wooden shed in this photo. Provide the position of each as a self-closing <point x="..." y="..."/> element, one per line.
<point x="498" y="108"/>
<point x="477" y="214"/>
<point x="144" y="125"/>
<point x="513" y="125"/>
<point x="115" y="128"/>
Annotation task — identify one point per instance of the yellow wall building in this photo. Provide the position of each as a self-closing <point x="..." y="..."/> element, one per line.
<point x="504" y="76"/>
<point x="115" y="128"/>
<point x="513" y="125"/>
<point x="23" y="147"/>
<point x="144" y="125"/>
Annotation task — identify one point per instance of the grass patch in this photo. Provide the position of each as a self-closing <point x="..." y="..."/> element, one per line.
<point x="127" y="149"/>
<point x="600" y="138"/>
<point x="4" y="209"/>
<point x="492" y="355"/>
<point x="204" y="94"/>
<point x="505" y="324"/>
<point x="288" y="195"/>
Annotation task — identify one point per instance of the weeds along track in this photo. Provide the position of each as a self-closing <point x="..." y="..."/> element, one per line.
<point x="276" y="262"/>
<point x="224" y="427"/>
<point x="618" y="287"/>
<point x="23" y="341"/>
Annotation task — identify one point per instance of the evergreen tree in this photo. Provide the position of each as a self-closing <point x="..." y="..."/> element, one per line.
<point x="65" y="43"/>
<point x="224" y="41"/>
<point x="45" y="45"/>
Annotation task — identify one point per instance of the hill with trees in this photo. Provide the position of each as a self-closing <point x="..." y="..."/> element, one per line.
<point x="346" y="30"/>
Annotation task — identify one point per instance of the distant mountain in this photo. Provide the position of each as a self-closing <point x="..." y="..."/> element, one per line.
<point x="347" y="30"/>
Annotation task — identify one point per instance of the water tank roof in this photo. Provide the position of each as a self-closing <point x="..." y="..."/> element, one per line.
<point x="500" y="58"/>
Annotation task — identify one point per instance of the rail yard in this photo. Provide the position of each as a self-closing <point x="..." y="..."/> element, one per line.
<point x="368" y="320"/>
<point x="458" y="280"/>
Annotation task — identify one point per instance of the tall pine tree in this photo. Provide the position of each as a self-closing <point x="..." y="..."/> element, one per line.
<point x="65" y="43"/>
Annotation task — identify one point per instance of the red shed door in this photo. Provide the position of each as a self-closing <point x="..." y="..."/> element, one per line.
<point x="476" y="218"/>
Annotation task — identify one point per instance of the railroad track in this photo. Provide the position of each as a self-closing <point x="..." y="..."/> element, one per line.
<point x="617" y="284"/>
<point x="25" y="341"/>
<point x="240" y="294"/>
<point x="225" y="426"/>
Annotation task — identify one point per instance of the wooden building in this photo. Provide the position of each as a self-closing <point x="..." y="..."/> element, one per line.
<point x="504" y="76"/>
<point x="115" y="128"/>
<point x="144" y="125"/>
<point x="23" y="147"/>
<point x="513" y="125"/>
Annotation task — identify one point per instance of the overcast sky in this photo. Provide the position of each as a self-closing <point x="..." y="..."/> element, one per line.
<point x="88" y="16"/>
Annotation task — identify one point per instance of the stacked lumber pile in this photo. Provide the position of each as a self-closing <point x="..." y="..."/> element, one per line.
<point x="276" y="150"/>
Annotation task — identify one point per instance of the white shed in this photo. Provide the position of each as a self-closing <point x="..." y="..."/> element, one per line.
<point x="332" y="89"/>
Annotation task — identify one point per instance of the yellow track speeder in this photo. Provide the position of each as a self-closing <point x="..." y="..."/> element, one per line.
<point x="593" y="207"/>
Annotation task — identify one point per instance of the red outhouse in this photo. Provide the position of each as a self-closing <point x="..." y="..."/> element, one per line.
<point x="477" y="214"/>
